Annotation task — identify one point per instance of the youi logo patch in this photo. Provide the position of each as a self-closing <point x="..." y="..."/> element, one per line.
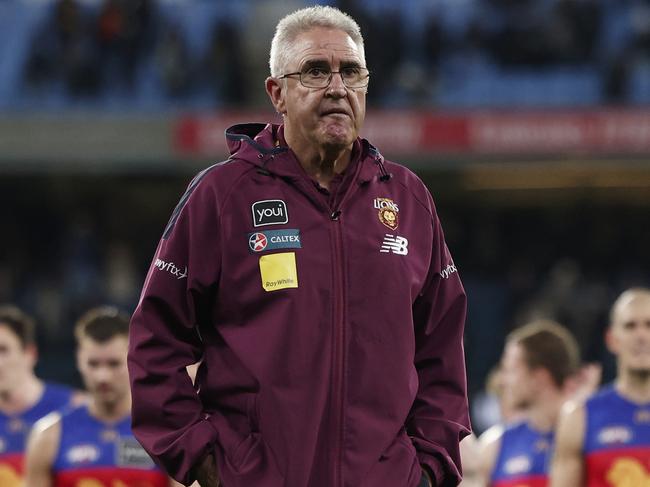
<point x="269" y="212"/>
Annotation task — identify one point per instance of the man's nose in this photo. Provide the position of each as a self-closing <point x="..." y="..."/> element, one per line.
<point x="337" y="88"/>
<point x="103" y="374"/>
<point x="644" y="331"/>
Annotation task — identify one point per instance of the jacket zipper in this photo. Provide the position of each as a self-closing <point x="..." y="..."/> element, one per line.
<point x="339" y="347"/>
<point x="338" y="311"/>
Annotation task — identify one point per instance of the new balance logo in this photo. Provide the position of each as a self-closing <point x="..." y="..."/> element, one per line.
<point x="395" y="244"/>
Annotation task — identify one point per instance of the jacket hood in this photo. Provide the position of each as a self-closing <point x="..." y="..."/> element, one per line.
<point x="257" y="144"/>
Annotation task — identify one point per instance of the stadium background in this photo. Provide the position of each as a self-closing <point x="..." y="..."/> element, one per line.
<point x="529" y="120"/>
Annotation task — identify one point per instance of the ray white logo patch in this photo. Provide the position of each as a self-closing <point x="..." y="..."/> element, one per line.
<point x="388" y="212"/>
<point x="274" y="239"/>
<point x="269" y="212"/>
<point x="395" y="244"/>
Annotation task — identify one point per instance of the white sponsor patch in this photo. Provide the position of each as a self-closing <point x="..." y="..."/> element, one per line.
<point x="448" y="271"/>
<point x="131" y="454"/>
<point x="172" y="268"/>
<point x="614" y="434"/>
<point x="269" y="212"/>
<point x="517" y="465"/>
<point x="395" y="244"/>
<point x="82" y="454"/>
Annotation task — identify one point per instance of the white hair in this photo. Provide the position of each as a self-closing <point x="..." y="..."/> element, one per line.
<point x="625" y="299"/>
<point x="303" y="20"/>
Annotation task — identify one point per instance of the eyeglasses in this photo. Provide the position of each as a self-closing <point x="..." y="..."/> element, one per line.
<point x="319" y="77"/>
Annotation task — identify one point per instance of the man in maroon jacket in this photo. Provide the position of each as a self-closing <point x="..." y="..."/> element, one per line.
<point x="312" y="279"/>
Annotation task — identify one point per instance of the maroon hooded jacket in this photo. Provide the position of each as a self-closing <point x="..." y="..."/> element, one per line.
<point x="329" y="326"/>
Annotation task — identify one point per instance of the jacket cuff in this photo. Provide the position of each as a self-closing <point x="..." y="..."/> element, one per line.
<point x="441" y="476"/>
<point x="427" y="479"/>
<point x="184" y="454"/>
<point x="433" y="467"/>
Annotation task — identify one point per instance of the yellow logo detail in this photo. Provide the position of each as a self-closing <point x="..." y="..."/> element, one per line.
<point x="278" y="271"/>
<point x="89" y="483"/>
<point x="113" y="483"/>
<point x="9" y="477"/>
<point x="642" y="416"/>
<point x="628" y="472"/>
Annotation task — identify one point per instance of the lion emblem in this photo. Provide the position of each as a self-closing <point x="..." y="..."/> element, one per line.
<point x="9" y="477"/>
<point x="628" y="472"/>
<point x="388" y="217"/>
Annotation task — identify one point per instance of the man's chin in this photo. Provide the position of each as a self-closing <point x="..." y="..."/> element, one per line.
<point x="339" y="131"/>
<point x="641" y="371"/>
<point x="337" y="140"/>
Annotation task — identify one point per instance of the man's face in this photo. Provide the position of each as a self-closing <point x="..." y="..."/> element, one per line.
<point x="629" y="335"/>
<point x="328" y="117"/>
<point x="517" y="378"/>
<point x="16" y="361"/>
<point x="103" y="368"/>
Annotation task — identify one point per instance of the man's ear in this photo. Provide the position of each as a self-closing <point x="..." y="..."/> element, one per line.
<point x="32" y="353"/>
<point x="610" y="341"/>
<point x="542" y="375"/>
<point x="275" y="90"/>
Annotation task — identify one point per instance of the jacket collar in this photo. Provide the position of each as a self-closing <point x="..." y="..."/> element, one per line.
<point x="257" y="144"/>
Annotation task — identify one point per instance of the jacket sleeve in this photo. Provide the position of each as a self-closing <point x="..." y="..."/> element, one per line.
<point x="167" y="414"/>
<point x="439" y="417"/>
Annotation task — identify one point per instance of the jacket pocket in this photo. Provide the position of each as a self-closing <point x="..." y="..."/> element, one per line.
<point x="397" y="466"/>
<point x="244" y="459"/>
<point x="251" y="463"/>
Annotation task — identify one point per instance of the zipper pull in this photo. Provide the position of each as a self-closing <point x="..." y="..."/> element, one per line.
<point x="335" y="215"/>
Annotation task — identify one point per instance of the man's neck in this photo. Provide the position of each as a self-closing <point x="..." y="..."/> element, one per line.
<point x="24" y="396"/>
<point x="109" y="412"/>
<point x="321" y="163"/>
<point x="544" y="413"/>
<point x="323" y="167"/>
<point x="634" y="386"/>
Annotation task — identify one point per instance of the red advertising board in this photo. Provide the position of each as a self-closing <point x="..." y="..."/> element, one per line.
<point x="472" y="132"/>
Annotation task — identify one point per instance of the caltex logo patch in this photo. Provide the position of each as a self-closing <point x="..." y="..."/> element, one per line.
<point x="257" y="242"/>
<point x="288" y="238"/>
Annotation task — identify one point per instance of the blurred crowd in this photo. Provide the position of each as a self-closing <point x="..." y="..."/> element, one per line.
<point x="110" y="47"/>
<point x="200" y="54"/>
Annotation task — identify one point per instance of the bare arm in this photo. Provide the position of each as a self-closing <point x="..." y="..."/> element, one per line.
<point x="567" y="469"/>
<point x="471" y="457"/>
<point x="42" y="447"/>
<point x="488" y="448"/>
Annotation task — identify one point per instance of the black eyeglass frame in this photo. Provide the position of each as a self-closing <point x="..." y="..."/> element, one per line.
<point x="366" y="79"/>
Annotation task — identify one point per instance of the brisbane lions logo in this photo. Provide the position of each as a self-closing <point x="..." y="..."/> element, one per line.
<point x="9" y="477"/>
<point x="628" y="472"/>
